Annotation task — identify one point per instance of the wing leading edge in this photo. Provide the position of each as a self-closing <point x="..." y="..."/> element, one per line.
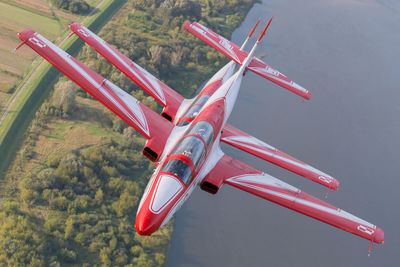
<point x="143" y="119"/>
<point x="161" y="92"/>
<point x="244" y="177"/>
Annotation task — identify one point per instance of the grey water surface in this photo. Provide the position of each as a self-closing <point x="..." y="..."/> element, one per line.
<point x="347" y="52"/>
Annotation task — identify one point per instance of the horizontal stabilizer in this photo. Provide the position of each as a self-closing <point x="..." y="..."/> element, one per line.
<point x="263" y="69"/>
<point x="216" y="41"/>
<point x="143" y="119"/>
<point x="161" y="92"/>
<point x="258" y="148"/>
<point x="234" y="52"/>
<point x="244" y="177"/>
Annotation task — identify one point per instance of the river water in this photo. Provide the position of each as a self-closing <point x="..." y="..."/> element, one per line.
<point x="347" y="53"/>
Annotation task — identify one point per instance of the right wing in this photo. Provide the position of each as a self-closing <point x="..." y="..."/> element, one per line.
<point x="164" y="95"/>
<point x="234" y="52"/>
<point x="258" y="148"/>
<point x="244" y="177"/>
<point x="143" y="119"/>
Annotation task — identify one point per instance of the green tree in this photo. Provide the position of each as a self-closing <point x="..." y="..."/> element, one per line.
<point x="74" y="6"/>
<point x="99" y="196"/>
<point x="105" y="254"/>
<point x="63" y="100"/>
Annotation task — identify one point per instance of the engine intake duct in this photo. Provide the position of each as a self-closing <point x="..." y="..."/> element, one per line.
<point x="209" y="187"/>
<point x="212" y="183"/>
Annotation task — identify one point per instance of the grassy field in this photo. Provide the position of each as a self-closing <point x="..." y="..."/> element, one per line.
<point x="15" y="16"/>
<point x="20" y="18"/>
<point x="25" y="105"/>
<point x="62" y="136"/>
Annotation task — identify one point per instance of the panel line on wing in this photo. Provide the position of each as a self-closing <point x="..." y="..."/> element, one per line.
<point x="296" y="200"/>
<point x="68" y="60"/>
<point x="156" y="89"/>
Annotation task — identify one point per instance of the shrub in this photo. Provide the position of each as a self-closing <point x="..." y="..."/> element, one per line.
<point x="73" y="6"/>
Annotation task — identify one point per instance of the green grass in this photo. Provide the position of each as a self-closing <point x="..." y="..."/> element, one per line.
<point x="14" y="17"/>
<point x="22" y="18"/>
<point x="98" y="130"/>
<point x="15" y="64"/>
<point x="92" y="127"/>
<point x="95" y="130"/>
<point x="6" y="81"/>
<point x="25" y="106"/>
<point x="56" y="136"/>
<point x="27" y="7"/>
<point x="93" y="3"/>
<point x="62" y="127"/>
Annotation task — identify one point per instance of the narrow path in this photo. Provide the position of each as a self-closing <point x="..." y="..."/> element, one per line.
<point x="37" y="68"/>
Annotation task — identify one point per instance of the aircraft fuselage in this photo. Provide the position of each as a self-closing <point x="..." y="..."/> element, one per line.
<point x="194" y="151"/>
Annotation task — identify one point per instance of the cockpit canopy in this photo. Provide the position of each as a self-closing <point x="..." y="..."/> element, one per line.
<point x="180" y="169"/>
<point x="193" y="110"/>
<point x="189" y="152"/>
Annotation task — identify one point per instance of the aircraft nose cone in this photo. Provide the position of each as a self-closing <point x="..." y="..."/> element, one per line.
<point x="25" y="34"/>
<point x="157" y="204"/>
<point x="145" y="225"/>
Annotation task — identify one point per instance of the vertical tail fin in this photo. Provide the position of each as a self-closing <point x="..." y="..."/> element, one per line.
<point x="265" y="29"/>
<point x="249" y="57"/>
<point x="250" y="34"/>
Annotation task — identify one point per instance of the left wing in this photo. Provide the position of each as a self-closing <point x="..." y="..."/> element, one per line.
<point x="143" y="119"/>
<point x="161" y="92"/>
<point x="244" y="177"/>
<point x="258" y="148"/>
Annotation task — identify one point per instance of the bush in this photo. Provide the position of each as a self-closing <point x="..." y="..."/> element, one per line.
<point x="73" y="6"/>
<point x="63" y="102"/>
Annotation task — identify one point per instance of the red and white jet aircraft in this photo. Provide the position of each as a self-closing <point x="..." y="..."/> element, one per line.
<point x="185" y="139"/>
